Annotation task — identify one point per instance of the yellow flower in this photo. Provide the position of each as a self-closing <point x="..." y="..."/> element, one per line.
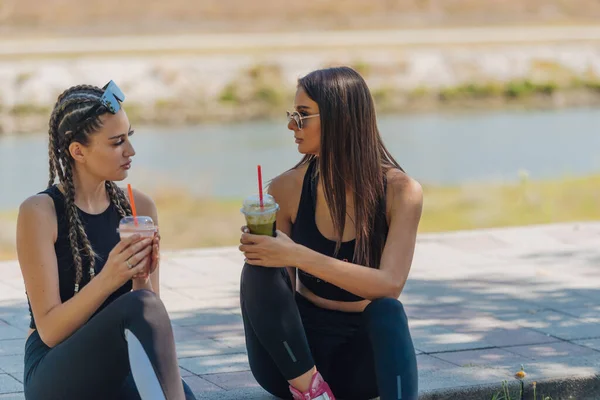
<point x="520" y="375"/>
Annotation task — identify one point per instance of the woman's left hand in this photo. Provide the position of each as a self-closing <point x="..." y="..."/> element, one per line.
<point x="267" y="251"/>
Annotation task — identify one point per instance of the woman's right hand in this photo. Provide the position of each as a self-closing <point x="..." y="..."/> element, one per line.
<point x="129" y="257"/>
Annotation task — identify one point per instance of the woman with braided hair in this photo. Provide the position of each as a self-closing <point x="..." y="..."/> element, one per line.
<point x="98" y="327"/>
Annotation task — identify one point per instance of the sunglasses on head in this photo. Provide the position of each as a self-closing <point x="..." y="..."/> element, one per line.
<point x="110" y="101"/>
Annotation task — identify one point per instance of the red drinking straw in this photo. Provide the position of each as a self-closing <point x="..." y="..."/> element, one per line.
<point x="260" y="189"/>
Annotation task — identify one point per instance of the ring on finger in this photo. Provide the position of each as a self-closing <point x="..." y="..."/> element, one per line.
<point x="128" y="264"/>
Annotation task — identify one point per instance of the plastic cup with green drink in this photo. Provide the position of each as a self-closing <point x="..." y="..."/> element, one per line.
<point x="260" y="211"/>
<point x="260" y="219"/>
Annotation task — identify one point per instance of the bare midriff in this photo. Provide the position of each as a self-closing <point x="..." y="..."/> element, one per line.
<point x="345" y="306"/>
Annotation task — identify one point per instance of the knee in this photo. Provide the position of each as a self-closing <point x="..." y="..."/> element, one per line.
<point x="142" y="302"/>
<point x="385" y="310"/>
<point x="256" y="279"/>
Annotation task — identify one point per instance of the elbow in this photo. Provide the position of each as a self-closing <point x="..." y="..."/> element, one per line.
<point x="48" y="339"/>
<point x="391" y="289"/>
<point x="385" y="291"/>
<point x="49" y="335"/>
<point x="393" y="292"/>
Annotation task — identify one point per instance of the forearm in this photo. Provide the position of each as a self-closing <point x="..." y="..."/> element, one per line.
<point x="141" y="285"/>
<point x="63" y="320"/>
<point x="369" y="283"/>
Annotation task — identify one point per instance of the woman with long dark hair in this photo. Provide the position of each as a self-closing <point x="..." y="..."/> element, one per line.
<point x="331" y="322"/>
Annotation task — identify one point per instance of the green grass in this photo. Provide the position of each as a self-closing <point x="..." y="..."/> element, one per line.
<point x="230" y="94"/>
<point x="188" y="222"/>
<point x="524" y="203"/>
<point x="517" y="89"/>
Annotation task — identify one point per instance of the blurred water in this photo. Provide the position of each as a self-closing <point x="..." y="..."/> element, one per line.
<point x="220" y="160"/>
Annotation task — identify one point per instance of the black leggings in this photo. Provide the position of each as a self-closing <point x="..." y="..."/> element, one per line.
<point x="360" y="355"/>
<point x="94" y="362"/>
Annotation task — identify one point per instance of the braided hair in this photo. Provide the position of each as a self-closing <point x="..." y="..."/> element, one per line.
<point x="66" y="127"/>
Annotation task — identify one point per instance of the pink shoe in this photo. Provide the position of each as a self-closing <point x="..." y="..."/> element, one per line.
<point x="319" y="390"/>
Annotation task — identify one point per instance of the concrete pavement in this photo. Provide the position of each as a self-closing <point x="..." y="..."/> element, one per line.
<point x="481" y="304"/>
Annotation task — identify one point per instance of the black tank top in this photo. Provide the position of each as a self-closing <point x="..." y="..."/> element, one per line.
<point x="101" y="230"/>
<point x="306" y="233"/>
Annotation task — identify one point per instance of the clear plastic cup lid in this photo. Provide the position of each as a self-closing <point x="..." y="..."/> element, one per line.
<point x="143" y="223"/>
<point x="251" y="204"/>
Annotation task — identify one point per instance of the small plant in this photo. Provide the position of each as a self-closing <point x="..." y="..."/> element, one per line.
<point x="520" y="375"/>
<point x="26" y="109"/>
<point x="505" y="394"/>
<point x="362" y="67"/>
<point x="383" y="95"/>
<point x="229" y="94"/>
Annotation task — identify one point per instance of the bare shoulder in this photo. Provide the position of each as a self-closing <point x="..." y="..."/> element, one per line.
<point x="289" y="180"/>
<point x="286" y="188"/>
<point x="144" y="204"/>
<point x="39" y="205"/>
<point x="142" y="199"/>
<point x="404" y="194"/>
<point x="37" y="213"/>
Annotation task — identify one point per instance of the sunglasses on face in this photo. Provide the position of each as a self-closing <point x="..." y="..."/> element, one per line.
<point x="110" y="101"/>
<point x="298" y="119"/>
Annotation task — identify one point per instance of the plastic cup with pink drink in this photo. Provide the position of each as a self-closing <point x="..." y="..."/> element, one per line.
<point x="131" y="225"/>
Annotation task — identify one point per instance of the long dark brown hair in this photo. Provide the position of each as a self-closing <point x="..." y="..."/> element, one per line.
<point x="352" y="156"/>
<point x="65" y="128"/>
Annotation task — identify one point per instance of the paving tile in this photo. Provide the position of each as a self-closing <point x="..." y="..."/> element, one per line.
<point x="555" y="350"/>
<point x="12" y="364"/>
<point x="184" y="334"/>
<point x="488" y="357"/>
<point x="209" y="320"/>
<point x="8" y="384"/>
<point x="433" y="338"/>
<point x="203" y="347"/>
<point x="431" y="363"/>
<point x="557" y="324"/>
<point x="237" y="394"/>
<point x="10" y="332"/>
<point x="12" y="396"/>
<point x="216" y="364"/>
<point x="16" y="315"/>
<point x="219" y="331"/>
<point x="583" y="312"/>
<point x="199" y="385"/>
<point x="563" y="300"/>
<point x="233" y="380"/>
<point x="514" y="337"/>
<point x="12" y="347"/>
<point x="591" y="343"/>
<point x="459" y="377"/>
<point x="442" y="312"/>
